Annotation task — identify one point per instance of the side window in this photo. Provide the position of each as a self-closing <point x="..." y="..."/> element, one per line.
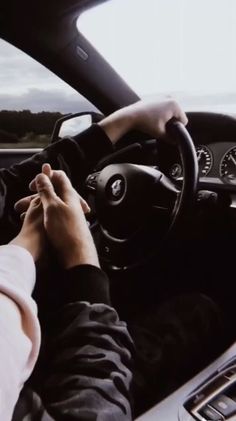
<point x="31" y="99"/>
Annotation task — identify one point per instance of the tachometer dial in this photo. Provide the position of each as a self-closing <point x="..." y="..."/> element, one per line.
<point x="205" y="160"/>
<point x="228" y="166"/>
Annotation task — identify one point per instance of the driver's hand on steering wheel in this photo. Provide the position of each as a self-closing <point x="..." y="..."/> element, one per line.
<point x="149" y="117"/>
<point x="63" y="218"/>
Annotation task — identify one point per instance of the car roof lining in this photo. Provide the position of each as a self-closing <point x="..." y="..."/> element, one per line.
<point x="44" y="10"/>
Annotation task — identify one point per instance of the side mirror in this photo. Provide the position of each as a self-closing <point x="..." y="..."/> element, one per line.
<point x="74" y="124"/>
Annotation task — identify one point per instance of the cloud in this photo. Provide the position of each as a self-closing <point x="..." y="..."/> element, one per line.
<point x="26" y="84"/>
<point x="19" y="72"/>
<point x="53" y="100"/>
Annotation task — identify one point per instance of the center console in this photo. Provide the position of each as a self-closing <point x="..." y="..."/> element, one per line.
<point x="209" y="396"/>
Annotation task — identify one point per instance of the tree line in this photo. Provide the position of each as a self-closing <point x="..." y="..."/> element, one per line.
<point x="16" y="126"/>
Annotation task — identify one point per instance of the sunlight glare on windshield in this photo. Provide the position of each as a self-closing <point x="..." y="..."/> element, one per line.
<point x="182" y="48"/>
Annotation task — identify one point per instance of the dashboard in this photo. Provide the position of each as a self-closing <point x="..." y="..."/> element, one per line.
<point x="216" y="161"/>
<point x="214" y="137"/>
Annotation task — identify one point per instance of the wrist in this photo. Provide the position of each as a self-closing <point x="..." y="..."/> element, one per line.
<point x="22" y="241"/>
<point x="119" y="123"/>
<point x="80" y="253"/>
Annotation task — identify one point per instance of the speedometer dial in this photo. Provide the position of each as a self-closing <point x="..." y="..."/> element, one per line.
<point x="205" y="160"/>
<point x="228" y="166"/>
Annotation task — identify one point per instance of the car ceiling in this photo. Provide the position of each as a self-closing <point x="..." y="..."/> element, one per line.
<point x="47" y="31"/>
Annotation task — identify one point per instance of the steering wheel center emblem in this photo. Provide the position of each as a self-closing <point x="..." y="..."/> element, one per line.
<point x="117" y="189"/>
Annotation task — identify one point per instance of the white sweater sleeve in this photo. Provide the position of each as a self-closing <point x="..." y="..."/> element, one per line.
<point x="19" y="326"/>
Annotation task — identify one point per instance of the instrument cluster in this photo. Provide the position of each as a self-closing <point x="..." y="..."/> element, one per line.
<point x="216" y="160"/>
<point x="228" y="166"/>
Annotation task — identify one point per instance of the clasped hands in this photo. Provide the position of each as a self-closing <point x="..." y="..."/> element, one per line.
<point x="56" y="213"/>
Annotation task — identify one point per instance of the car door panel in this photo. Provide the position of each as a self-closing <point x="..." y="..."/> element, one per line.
<point x="10" y="157"/>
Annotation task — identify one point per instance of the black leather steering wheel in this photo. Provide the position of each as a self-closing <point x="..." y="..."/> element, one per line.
<point x="137" y="206"/>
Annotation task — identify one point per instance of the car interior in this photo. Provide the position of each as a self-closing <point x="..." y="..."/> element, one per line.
<point x="186" y="239"/>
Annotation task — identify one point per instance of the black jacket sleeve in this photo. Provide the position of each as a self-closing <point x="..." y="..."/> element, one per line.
<point x="89" y="357"/>
<point x="88" y="353"/>
<point x="76" y="157"/>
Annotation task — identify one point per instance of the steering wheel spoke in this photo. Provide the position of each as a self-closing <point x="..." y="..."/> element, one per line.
<point x="166" y="194"/>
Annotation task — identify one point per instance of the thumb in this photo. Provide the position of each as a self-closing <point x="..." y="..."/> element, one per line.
<point x="45" y="190"/>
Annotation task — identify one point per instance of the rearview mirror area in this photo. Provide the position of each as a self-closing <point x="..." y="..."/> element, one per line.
<point x="73" y="124"/>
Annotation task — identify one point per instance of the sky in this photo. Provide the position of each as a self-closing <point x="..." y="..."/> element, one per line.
<point x="32" y="86"/>
<point x="181" y="47"/>
<point x="184" y="48"/>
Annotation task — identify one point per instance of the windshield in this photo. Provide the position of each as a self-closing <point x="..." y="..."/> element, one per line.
<point x="184" y="49"/>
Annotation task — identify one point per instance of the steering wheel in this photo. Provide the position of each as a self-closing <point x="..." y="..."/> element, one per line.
<point x="137" y="206"/>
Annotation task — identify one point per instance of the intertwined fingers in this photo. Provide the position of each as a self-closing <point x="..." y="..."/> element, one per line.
<point x="23" y="204"/>
<point x="62" y="185"/>
<point x="59" y="187"/>
<point x="46" y="190"/>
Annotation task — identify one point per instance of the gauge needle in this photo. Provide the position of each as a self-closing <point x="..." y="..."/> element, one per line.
<point x="199" y="154"/>
<point x="233" y="159"/>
